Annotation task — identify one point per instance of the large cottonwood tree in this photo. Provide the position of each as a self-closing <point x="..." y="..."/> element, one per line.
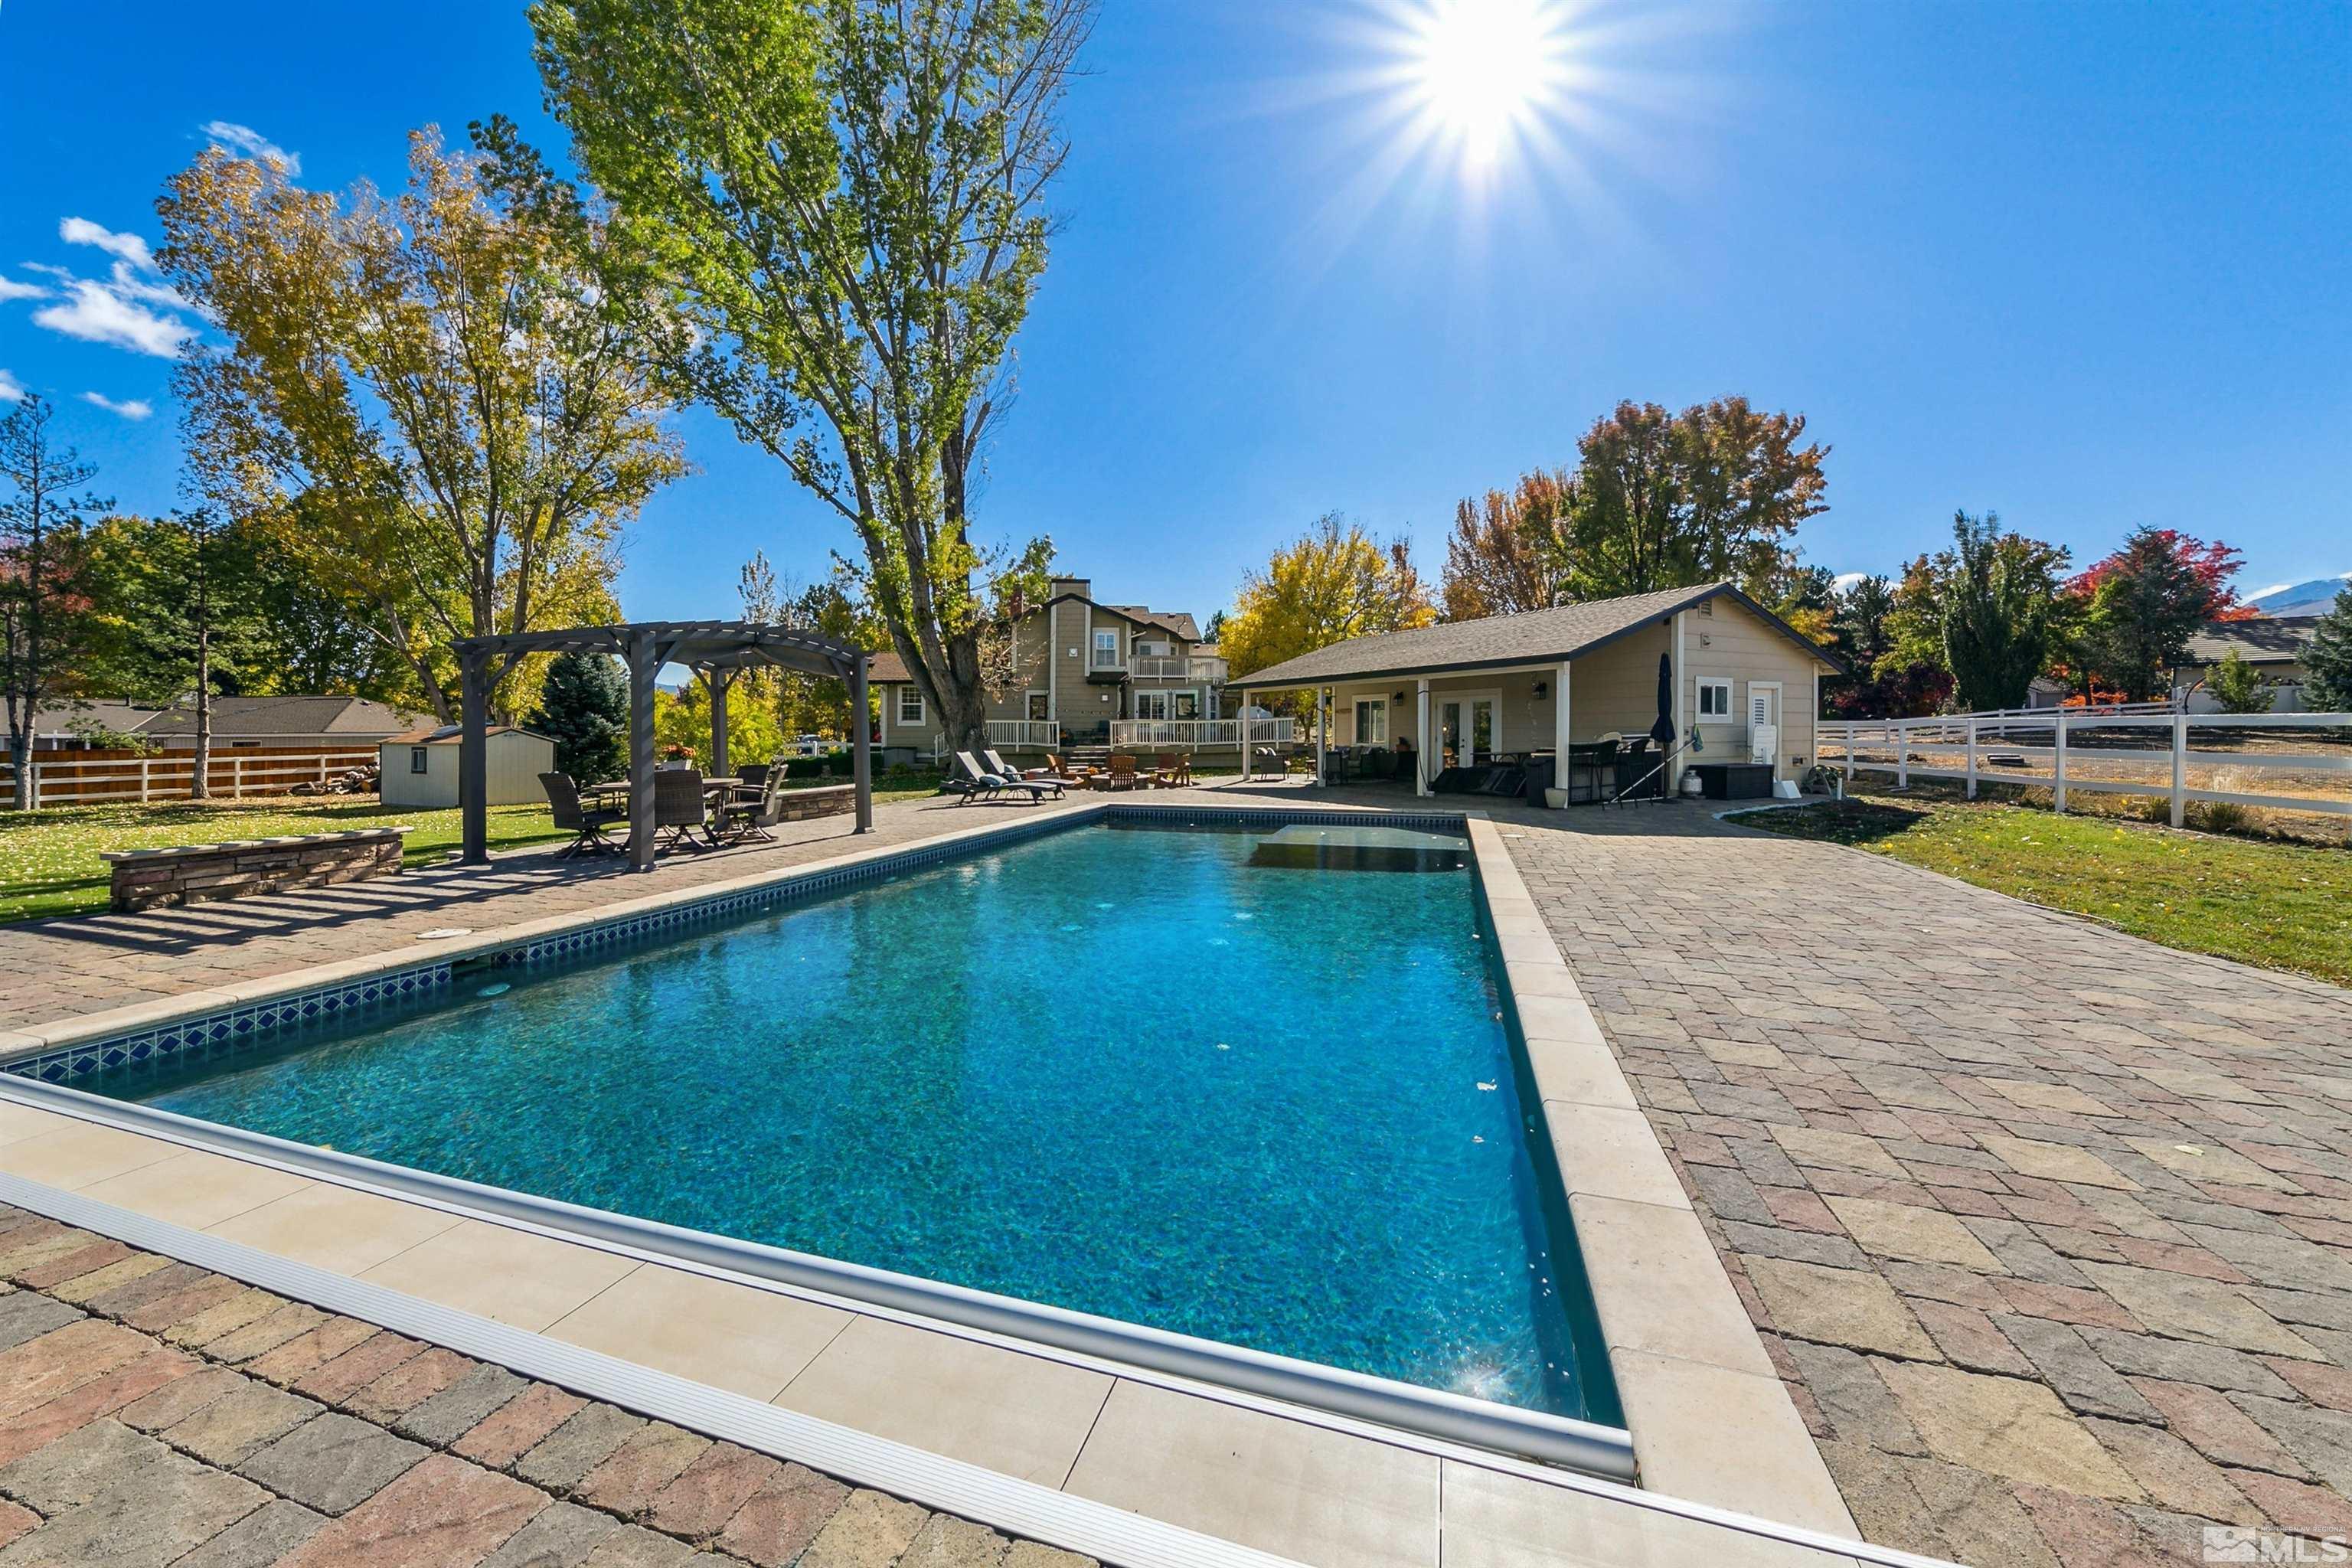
<point x="847" y="200"/>
<point x="436" y="394"/>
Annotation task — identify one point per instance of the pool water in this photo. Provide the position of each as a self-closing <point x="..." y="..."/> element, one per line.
<point x="1248" y="1086"/>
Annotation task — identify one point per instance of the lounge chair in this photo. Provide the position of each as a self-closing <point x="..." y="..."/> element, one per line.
<point x="587" y="823"/>
<point x="983" y="784"/>
<point x="747" y="816"/>
<point x="1006" y="770"/>
<point x="679" y="810"/>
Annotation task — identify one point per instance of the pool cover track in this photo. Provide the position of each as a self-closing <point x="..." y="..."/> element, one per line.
<point x="1709" y="1420"/>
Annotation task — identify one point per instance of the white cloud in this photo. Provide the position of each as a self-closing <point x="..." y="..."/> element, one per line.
<point x="1845" y="580"/>
<point x="10" y="389"/>
<point x="246" y="142"/>
<point x="96" y="313"/>
<point x="135" y="408"/>
<point x="12" y="289"/>
<point x="128" y="246"/>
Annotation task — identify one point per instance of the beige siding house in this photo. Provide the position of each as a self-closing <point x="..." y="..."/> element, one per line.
<point x="1087" y="673"/>
<point x="1745" y="685"/>
<point x="2273" y="644"/>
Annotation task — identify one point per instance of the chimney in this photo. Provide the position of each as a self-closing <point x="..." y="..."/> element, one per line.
<point x="1057" y="586"/>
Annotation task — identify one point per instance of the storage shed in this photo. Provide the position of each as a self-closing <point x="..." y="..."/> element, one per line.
<point x="420" y="768"/>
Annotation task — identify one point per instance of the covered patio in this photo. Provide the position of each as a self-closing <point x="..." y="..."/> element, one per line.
<point x="1601" y="700"/>
<point x="716" y="651"/>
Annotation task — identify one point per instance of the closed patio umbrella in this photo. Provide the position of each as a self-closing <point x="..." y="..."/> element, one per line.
<point x="1663" y="730"/>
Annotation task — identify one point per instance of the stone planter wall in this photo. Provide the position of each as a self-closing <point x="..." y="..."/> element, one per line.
<point x="826" y="800"/>
<point x="195" y="873"/>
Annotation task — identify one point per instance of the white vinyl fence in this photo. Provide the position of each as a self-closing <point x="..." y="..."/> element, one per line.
<point x="2304" y="761"/>
<point x="93" y="778"/>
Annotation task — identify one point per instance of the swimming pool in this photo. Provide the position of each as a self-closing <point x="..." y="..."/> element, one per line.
<point x="1246" y="1084"/>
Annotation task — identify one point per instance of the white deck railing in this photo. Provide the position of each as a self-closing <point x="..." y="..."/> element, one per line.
<point x="1037" y="734"/>
<point x="1157" y="666"/>
<point x="1202" y="732"/>
<point x="66" y="778"/>
<point x="2010" y="748"/>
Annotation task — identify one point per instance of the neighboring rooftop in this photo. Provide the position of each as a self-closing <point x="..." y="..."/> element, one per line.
<point x="2271" y="640"/>
<point x="290" y="716"/>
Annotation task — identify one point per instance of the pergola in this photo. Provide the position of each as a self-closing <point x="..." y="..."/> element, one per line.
<point x="717" y="651"/>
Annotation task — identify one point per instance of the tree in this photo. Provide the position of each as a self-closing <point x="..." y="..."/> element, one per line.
<point x="2328" y="659"/>
<point x="1858" y="620"/>
<point x="2212" y="562"/>
<point x="1509" y="552"/>
<point x="2238" y="685"/>
<point x="1713" y="493"/>
<point x="2146" y="601"/>
<point x="584" y="708"/>
<point x="438" y="397"/>
<point x="43" y="618"/>
<point x="1805" y="597"/>
<point x="1336" y="583"/>
<point x="847" y="203"/>
<point x="1987" y="610"/>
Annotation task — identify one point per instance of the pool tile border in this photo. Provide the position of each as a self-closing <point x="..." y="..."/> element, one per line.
<point x="1710" y="1419"/>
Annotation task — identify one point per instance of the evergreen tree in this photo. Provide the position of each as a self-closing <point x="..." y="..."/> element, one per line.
<point x="1987" y="610"/>
<point x="2329" y="660"/>
<point x="584" y="708"/>
<point x="2238" y="685"/>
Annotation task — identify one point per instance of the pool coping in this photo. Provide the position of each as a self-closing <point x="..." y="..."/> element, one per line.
<point x="1681" y="1348"/>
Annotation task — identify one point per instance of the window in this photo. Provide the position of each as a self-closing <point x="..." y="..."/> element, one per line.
<point x="910" y="705"/>
<point x="1037" y="714"/>
<point x="1714" y="697"/>
<point x="416" y="763"/>
<point x="1184" y="705"/>
<point x="1155" y="649"/>
<point x="1372" y="722"/>
<point x="1107" y="648"/>
<point x="1151" y="705"/>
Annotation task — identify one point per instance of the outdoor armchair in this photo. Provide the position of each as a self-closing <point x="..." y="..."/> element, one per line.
<point x="586" y="823"/>
<point x="680" y="811"/>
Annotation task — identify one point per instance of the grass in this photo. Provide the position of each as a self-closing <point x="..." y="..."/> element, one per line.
<point x="2279" y="905"/>
<point x="49" y="864"/>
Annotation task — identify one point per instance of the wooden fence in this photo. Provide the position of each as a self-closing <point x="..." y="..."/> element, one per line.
<point x="122" y="778"/>
<point x="2070" y="749"/>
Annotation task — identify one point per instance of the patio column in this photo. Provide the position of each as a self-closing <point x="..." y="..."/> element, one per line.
<point x="1322" y="712"/>
<point x="719" y="680"/>
<point x="861" y="745"/>
<point x="1421" y="742"/>
<point x="474" y="758"/>
<point x="1241" y="733"/>
<point x="1560" y="731"/>
<point x="643" y="668"/>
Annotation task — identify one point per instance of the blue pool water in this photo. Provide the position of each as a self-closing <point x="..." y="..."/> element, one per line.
<point x="1249" y="1087"/>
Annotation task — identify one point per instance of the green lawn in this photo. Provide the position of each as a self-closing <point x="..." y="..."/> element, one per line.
<point x="49" y="864"/>
<point x="2281" y="906"/>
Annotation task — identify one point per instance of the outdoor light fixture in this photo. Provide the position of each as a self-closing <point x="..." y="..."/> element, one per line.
<point x="1542" y="689"/>
<point x="1399" y="697"/>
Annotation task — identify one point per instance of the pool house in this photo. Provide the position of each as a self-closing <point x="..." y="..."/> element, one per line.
<point x="1581" y="699"/>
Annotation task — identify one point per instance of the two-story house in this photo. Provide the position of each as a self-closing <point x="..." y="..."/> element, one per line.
<point x="1085" y="673"/>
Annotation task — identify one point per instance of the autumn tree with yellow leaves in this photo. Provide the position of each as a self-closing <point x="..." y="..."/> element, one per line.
<point x="431" y="394"/>
<point x="1337" y="582"/>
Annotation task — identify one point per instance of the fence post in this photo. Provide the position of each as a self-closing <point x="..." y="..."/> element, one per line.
<point x="142" y="781"/>
<point x="33" y="794"/>
<point x="2058" y="766"/>
<point x="1972" y="758"/>
<point x="1903" y="755"/>
<point x="236" y="778"/>
<point x="2179" y="764"/>
<point x="1849" y="754"/>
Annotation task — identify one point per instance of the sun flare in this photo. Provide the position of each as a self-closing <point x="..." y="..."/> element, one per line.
<point x="1485" y="69"/>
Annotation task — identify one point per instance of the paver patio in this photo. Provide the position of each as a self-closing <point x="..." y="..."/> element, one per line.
<point x="152" y="1412"/>
<point x="2048" y="1230"/>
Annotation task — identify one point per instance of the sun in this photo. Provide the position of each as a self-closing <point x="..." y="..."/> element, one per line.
<point x="1485" y="71"/>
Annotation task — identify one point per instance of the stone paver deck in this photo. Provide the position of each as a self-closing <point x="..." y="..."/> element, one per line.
<point x="2048" y="1229"/>
<point x="152" y="1412"/>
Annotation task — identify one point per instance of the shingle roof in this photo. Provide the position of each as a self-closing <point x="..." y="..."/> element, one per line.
<point x="2272" y="639"/>
<point x="291" y="715"/>
<point x="453" y="734"/>
<point x="1532" y="636"/>
<point x="887" y="666"/>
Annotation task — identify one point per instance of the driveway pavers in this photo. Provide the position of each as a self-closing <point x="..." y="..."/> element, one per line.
<point x="2047" y="1229"/>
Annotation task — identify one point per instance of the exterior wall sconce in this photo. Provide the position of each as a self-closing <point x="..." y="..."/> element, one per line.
<point x="1543" y="687"/>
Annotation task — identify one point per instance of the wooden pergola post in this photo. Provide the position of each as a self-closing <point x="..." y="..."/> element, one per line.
<point x="474" y="757"/>
<point x="861" y="750"/>
<point x="718" y="680"/>
<point x="643" y="665"/>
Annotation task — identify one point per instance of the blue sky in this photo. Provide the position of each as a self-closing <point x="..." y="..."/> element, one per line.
<point x="2088" y="265"/>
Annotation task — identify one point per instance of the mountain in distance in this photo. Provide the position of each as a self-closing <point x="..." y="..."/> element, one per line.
<point x="2316" y="597"/>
